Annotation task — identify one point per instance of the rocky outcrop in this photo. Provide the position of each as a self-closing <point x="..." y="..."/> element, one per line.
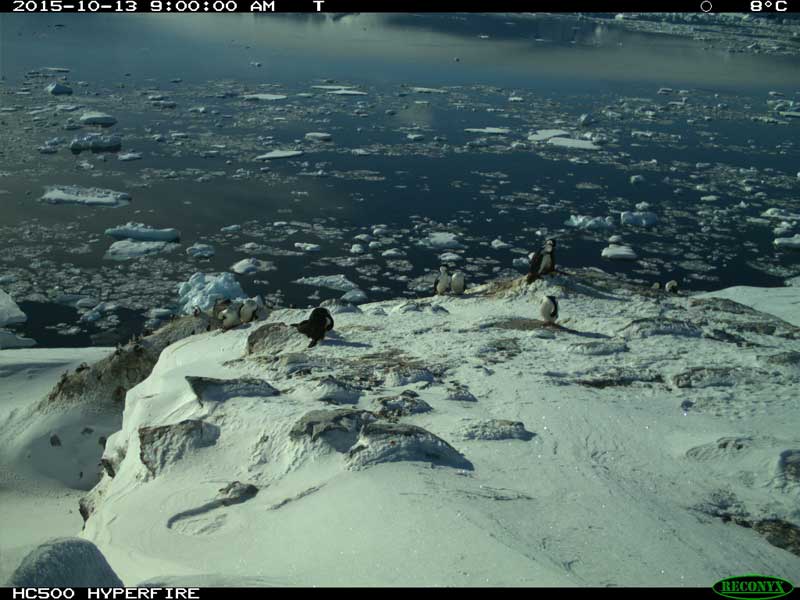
<point x="381" y="442"/>
<point x="497" y="429"/>
<point x="166" y="444"/>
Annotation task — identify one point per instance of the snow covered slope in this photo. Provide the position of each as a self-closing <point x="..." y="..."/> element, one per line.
<point x="649" y="439"/>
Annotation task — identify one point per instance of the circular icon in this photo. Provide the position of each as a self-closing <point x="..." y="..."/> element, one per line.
<point x="705" y="6"/>
<point x="767" y="3"/>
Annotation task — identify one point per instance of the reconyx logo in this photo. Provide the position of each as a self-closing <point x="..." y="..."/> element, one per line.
<point x="747" y="587"/>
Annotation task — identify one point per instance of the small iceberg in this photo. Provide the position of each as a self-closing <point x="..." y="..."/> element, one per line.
<point x="619" y="252"/>
<point x="142" y="232"/>
<point x="275" y="154"/>
<point x="202" y="290"/>
<point x="72" y="194"/>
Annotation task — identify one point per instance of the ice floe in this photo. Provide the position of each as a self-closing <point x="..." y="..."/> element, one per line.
<point x="619" y="252"/>
<point x="142" y="232"/>
<point x="264" y="97"/>
<point x="587" y="222"/>
<point x="10" y="313"/>
<point x="130" y="249"/>
<point x="72" y="194"/>
<point x="334" y="282"/>
<point x="641" y="219"/>
<point x="275" y="154"/>
<point x="97" y="118"/>
<point x="203" y="289"/>
<point x="442" y="240"/>
<point x="792" y="242"/>
<point x="200" y="251"/>
<point x="58" y="89"/>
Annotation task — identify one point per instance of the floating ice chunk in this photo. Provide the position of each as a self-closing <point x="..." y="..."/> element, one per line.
<point x="585" y="120"/>
<point x="619" y="252"/>
<point x="202" y="290"/>
<point x="450" y="257"/>
<point x="427" y="90"/>
<point x="130" y="249"/>
<point x="142" y="232"/>
<point x="264" y="97"/>
<point x="347" y="92"/>
<point x="792" y="242"/>
<point x="637" y="179"/>
<point x="72" y="194"/>
<point x="279" y="154"/>
<point x="415" y="137"/>
<point x="357" y="249"/>
<point x="231" y="228"/>
<point x="393" y="253"/>
<point x="572" y="143"/>
<point x="9" y="311"/>
<point x="615" y="239"/>
<point x="442" y="240"/>
<point x="96" y="143"/>
<point x="307" y="247"/>
<point x="500" y="245"/>
<point x="542" y="135"/>
<point x="334" y="282"/>
<point x="9" y="339"/>
<point x="641" y="219"/>
<point x="355" y="296"/>
<point x="780" y="213"/>
<point x="200" y="251"/>
<point x="709" y="198"/>
<point x="318" y="136"/>
<point x="489" y="130"/>
<point x="128" y="156"/>
<point x="58" y="89"/>
<point x="664" y="91"/>
<point x="516" y="99"/>
<point x="250" y="266"/>
<point x="586" y="222"/>
<point x="97" y="118"/>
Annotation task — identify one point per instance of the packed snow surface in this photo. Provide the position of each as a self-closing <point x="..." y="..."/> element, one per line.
<point x="487" y="447"/>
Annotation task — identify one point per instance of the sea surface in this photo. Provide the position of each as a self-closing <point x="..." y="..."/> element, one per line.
<point x="702" y="125"/>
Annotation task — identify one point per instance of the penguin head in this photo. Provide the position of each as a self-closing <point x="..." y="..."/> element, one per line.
<point x="443" y="269"/>
<point x="550" y="242"/>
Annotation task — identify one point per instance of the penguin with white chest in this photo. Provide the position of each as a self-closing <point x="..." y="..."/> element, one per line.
<point x="549" y="309"/>
<point x="457" y="283"/>
<point x="542" y="261"/>
<point x="231" y="316"/>
<point x="442" y="283"/>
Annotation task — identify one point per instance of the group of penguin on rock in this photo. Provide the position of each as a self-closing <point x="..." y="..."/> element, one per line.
<point x="320" y="321"/>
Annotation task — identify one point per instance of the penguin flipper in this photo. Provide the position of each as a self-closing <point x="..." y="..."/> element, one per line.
<point x="312" y="343"/>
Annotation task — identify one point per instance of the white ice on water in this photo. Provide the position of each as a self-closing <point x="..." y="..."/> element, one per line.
<point x="73" y="194"/>
<point x="203" y="289"/>
<point x="142" y="232"/>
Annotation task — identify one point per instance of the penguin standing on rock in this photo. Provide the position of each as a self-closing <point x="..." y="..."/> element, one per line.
<point x="549" y="309"/>
<point x="248" y="311"/>
<point x="442" y="283"/>
<point x="316" y="325"/>
<point x="542" y="261"/>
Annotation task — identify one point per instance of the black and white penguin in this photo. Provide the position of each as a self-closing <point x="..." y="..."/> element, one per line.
<point x="230" y="316"/>
<point x="457" y="283"/>
<point x="671" y="287"/>
<point x="219" y="307"/>
<point x="549" y="309"/>
<point x="542" y="261"/>
<point x="442" y="282"/>
<point x="248" y="311"/>
<point x="316" y="325"/>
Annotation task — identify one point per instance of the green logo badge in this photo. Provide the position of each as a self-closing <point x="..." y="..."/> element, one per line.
<point x="747" y="587"/>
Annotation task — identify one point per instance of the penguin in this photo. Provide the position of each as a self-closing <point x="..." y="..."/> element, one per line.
<point x="542" y="261"/>
<point x="248" y="311"/>
<point x="316" y="325"/>
<point x="230" y="316"/>
<point x="219" y="307"/>
<point x="548" y="258"/>
<point x="457" y="283"/>
<point x="442" y="282"/>
<point x="671" y="287"/>
<point x="549" y="309"/>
